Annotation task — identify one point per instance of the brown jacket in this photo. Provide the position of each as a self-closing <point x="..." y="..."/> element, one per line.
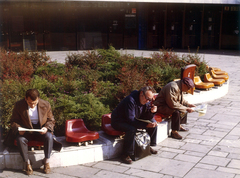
<point x="170" y="99"/>
<point x="20" y="118"/>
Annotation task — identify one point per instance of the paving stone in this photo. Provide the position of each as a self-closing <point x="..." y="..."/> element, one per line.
<point x="109" y="174"/>
<point x="206" y="173"/>
<point x="227" y="149"/>
<point x="191" y="140"/>
<point x="196" y="147"/>
<point x="228" y="170"/>
<point x="110" y="167"/>
<point x="188" y="158"/>
<point x="214" y="160"/>
<point x="230" y="143"/>
<point x="215" y="133"/>
<point x="193" y="153"/>
<point x="166" y="154"/>
<point x="233" y="156"/>
<point x="234" y="164"/>
<point x="173" y="150"/>
<point x="172" y="143"/>
<point x="78" y="171"/>
<point x="164" y="166"/>
<point x="235" y="131"/>
<point x="206" y="166"/>
<point x="218" y="153"/>
<point x="141" y="173"/>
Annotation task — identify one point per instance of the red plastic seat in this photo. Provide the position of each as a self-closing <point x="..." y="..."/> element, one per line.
<point x="32" y="143"/>
<point x="76" y="131"/>
<point x="107" y="128"/>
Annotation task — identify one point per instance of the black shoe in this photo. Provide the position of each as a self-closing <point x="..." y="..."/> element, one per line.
<point x="126" y="159"/>
<point x="153" y="151"/>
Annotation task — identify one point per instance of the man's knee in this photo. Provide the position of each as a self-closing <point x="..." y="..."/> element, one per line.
<point x="48" y="136"/>
<point x="21" y="140"/>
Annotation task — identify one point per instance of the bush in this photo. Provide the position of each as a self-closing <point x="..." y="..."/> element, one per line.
<point x="89" y="84"/>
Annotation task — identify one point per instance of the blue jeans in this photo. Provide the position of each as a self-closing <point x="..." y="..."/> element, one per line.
<point x="129" y="139"/>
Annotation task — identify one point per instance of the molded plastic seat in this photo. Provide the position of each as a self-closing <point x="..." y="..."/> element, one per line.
<point x="202" y="85"/>
<point x="218" y="72"/>
<point x="76" y="131"/>
<point x="225" y="77"/>
<point x="208" y="78"/>
<point x="213" y="68"/>
<point x="32" y="143"/>
<point x="107" y="128"/>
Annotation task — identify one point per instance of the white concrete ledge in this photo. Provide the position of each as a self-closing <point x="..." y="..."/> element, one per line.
<point x="204" y="96"/>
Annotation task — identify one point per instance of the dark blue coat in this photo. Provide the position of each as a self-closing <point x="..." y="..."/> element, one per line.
<point x="130" y="108"/>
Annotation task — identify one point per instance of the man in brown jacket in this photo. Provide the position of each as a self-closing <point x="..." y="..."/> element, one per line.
<point x="170" y="101"/>
<point x="32" y="113"/>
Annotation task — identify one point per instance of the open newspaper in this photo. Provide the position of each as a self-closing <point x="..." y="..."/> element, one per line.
<point x="29" y="130"/>
<point x="201" y="109"/>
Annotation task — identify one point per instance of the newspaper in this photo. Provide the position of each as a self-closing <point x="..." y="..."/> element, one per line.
<point x="147" y="121"/>
<point x="29" y="130"/>
<point x="201" y="109"/>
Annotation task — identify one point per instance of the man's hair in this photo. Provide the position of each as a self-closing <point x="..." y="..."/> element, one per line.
<point x="32" y="93"/>
<point x="147" y="88"/>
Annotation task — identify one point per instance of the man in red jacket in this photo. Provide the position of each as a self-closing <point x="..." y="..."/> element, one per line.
<point x="32" y="113"/>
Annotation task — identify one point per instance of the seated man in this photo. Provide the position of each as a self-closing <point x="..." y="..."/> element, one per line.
<point x="32" y="112"/>
<point x="170" y="102"/>
<point x="136" y="105"/>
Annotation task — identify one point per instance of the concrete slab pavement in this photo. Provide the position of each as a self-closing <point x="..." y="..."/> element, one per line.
<point x="210" y="149"/>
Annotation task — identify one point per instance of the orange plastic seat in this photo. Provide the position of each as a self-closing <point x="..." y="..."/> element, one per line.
<point x="202" y="85"/>
<point x="76" y="131"/>
<point x="107" y="128"/>
<point x="217" y="82"/>
<point x="218" y="72"/>
<point x="225" y="77"/>
<point x="213" y="68"/>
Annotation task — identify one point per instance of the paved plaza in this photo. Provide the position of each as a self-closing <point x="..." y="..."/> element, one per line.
<point x="210" y="149"/>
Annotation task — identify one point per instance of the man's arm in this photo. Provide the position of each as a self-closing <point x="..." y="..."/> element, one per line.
<point x="50" y="123"/>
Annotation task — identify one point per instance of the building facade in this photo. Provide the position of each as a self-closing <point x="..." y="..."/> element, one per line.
<point x="82" y="25"/>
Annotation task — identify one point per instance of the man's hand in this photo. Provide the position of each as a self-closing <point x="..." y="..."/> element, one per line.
<point x="44" y="130"/>
<point x="191" y="105"/>
<point x="153" y="109"/>
<point x="190" y="110"/>
<point x="152" y="125"/>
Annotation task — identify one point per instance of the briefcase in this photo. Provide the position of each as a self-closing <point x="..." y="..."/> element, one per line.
<point x="142" y="145"/>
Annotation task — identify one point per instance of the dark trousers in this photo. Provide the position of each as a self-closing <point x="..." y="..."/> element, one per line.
<point x="22" y="143"/>
<point x="177" y="119"/>
<point x="129" y="139"/>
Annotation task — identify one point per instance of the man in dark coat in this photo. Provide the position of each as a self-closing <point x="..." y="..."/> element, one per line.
<point x="124" y="118"/>
<point x="32" y="113"/>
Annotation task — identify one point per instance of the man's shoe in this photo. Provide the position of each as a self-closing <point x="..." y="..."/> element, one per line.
<point x="153" y="151"/>
<point x="46" y="168"/>
<point x="29" y="170"/>
<point x="126" y="159"/>
<point x="176" y="135"/>
<point x="183" y="129"/>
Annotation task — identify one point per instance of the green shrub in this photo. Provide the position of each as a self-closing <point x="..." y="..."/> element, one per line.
<point x="89" y="84"/>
